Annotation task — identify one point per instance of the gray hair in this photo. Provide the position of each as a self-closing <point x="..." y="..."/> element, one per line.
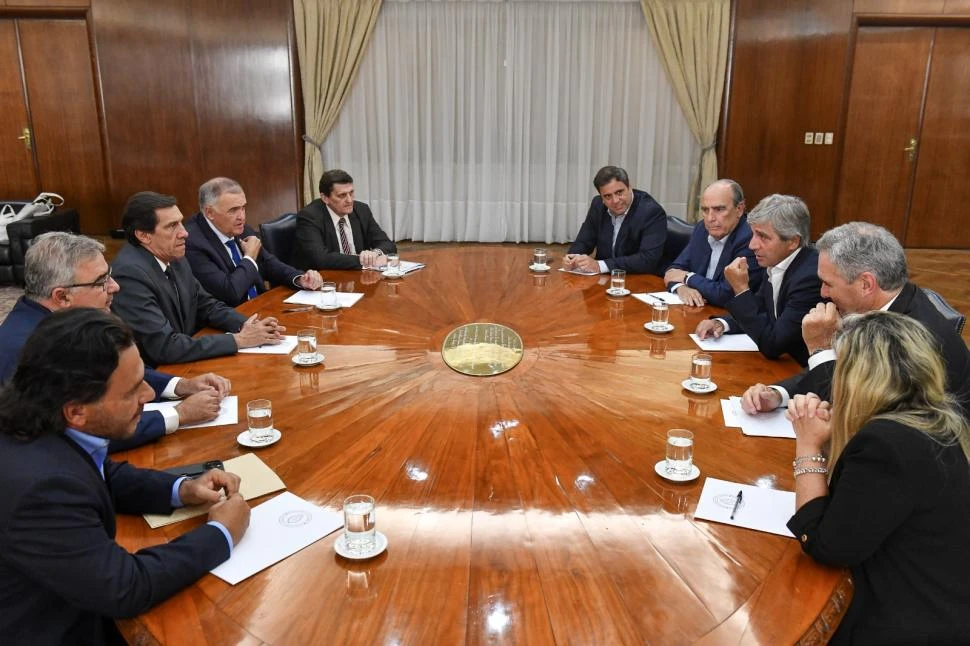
<point x="214" y="188"/>
<point x="786" y="214"/>
<point x="52" y="261"/>
<point x="857" y="247"/>
<point x="737" y="194"/>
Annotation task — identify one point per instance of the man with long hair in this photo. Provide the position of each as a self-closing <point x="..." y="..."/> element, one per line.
<point x="80" y="384"/>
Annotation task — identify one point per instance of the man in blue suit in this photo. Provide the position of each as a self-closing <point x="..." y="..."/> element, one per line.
<point x="697" y="275"/>
<point x="772" y="315"/>
<point x="226" y="255"/>
<point x="625" y="227"/>
<point x="64" y="271"/>
<point x="63" y="578"/>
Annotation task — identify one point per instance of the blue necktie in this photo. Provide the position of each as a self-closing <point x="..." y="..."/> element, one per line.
<point x="236" y="259"/>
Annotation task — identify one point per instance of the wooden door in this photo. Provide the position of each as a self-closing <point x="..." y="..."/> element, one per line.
<point x="885" y="101"/>
<point x="47" y="85"/>
<point x="936" y="216"/>
<point x="18" y="172"/>
<point x="60" y="87"/>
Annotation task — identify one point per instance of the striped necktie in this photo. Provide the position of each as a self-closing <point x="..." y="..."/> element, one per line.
<point x="342" y="228"/>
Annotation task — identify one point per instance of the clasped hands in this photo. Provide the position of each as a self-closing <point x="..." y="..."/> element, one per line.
<point x="581" y="262"/>
<point x="256" y="331"/>
<point x="812" y="419"/>
<point x="231" y="511"/>
<point x="372" y="259"/>
<point x="202" y="397"/>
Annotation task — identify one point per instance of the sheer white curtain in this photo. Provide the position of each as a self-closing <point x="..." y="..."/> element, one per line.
<point x="485" y="121"/>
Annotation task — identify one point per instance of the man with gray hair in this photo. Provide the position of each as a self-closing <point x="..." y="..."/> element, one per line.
<point x="63" y="271"/>
<point x="227" y="256"/>
<point x="772" y="315"/>
<point x="722" y="235"/>
<point x="862" y="268"/>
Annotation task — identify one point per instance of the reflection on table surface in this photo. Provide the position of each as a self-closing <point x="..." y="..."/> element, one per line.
<point x="519" y="508"/>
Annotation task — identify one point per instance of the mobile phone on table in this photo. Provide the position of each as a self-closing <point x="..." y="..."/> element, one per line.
<point x="195" y="470"/>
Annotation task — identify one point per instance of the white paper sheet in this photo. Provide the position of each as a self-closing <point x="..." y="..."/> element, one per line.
<point x="653" y="297"/>
<point x="285" y="346"/>
<point x="769" y="424"/>
<point x="766" y="510"/>
<point x="578" y="272"/>
<point x="228" y="412"/>
<point x="305" y="297"/>
<point x="277" y="528"/>
<point x="406" y="267"/>
<point x="731" y="409"/>
<point x="726" y="343"/>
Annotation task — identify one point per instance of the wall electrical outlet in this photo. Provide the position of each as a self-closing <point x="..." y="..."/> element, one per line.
<point x="819" y="137"/>
<point x="809" y="138"/>
<point x="828" y="138"/>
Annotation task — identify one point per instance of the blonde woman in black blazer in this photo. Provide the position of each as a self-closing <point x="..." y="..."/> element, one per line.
<point x="895" y="507"/>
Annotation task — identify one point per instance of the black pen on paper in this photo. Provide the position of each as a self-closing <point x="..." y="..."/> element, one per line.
<point x="737" y="503"/>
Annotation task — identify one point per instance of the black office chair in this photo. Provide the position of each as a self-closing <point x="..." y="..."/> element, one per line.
<point x="956" y="318"/>
<point x="678" y="235"/>
<point x="278" y="236"/>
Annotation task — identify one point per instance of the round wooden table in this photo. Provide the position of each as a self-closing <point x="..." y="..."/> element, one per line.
<point x="520" y="508"/>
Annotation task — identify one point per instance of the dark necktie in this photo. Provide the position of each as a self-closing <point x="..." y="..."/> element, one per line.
<point x="344" y="243"/>
<point x="770" y="298"/>
<point x="175" y="287"/>
<point x="236" y="259"/>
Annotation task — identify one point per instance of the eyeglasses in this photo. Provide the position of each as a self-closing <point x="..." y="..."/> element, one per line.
<point x="100" y="282"/>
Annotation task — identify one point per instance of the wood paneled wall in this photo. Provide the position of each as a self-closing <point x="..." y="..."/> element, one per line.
<point x="193" y="89"/>
<point x="185" y="90"/>
<point x="789" y="75"/>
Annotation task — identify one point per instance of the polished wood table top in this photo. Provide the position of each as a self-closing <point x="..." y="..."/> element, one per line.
<point x="521" y="508"/>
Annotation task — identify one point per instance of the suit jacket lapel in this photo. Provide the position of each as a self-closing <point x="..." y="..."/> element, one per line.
<point x="221" y="250"/>
<point x="358" y="231"/>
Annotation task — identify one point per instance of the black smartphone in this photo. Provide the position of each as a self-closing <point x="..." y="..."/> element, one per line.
<point x="197" y="469"/>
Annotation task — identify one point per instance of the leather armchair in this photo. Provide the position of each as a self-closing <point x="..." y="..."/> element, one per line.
<point x="279" y="235"/>
<point x="22" y="233"/>
<point x="678" y="235"/>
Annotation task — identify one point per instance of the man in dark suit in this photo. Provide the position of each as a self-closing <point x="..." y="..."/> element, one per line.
<point x="79" y="384"/>
<point x="337" y="232"/>
<point x="772" y="315"/>
<point x="226" y="255"/>
<point x="163" y="302"/>
<point x="63" y="270"/>
<point x="697" y="274"/>
<point x="625" y="227"/>
<point x="862" y="268"/>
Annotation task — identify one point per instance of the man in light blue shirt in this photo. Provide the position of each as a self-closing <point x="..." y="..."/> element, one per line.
<point x="78" y="385"/>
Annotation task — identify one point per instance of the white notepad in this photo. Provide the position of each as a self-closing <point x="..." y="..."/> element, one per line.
<point x="285" y="346"/>
<point x="228" y="412"/>
<point x="726" y="343"/>
<point x="277" y="528"/>
<point x="765" y="510"/>
<point x="305" y="297"/>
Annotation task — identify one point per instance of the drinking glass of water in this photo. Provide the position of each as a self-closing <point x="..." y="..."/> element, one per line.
<point x="360" y="523"/>
<point x="660" y="314"/>
<point x="306" y="346"/>
<point x="680" y="452"/>
<point x="259" y="416"/>
<point x="617" y="281"/>
<point x="328" y="299"/>
<point x="394" y="264"/>
<point x="700" y="371"/>
<point x="539" y="258"/>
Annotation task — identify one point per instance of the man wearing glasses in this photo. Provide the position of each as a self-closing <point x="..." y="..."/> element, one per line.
<point x="64" y="271"/>
<point x="697" y="275"/>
